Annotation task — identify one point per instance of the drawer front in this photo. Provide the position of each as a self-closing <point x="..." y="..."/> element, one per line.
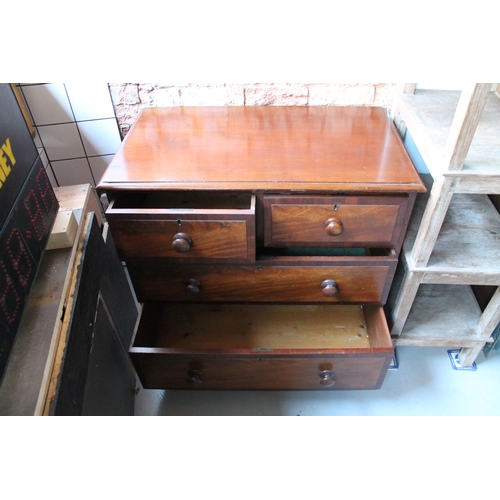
<point x="179" y="371"/>
<point x="181" y="239"/>
<point x="375" y="221"/>
<point x="183" y="225"/>
<point x="331" y="281"/>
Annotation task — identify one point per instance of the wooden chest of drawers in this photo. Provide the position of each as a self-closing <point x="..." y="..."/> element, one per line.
<point x="262" y="242"/>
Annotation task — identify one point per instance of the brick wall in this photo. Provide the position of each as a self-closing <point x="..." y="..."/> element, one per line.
<point x="130" y="98"/>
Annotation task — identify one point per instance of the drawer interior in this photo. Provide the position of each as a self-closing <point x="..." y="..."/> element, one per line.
<point x="314" y="252"/>
<point x="183" y="200"/>
<point x="271" y="252"/>
<point x="261" y="328"/>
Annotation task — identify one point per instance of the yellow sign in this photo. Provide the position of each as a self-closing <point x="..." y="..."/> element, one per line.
<point x="7" y="161"/>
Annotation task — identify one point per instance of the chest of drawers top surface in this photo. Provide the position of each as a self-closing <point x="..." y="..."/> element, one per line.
<point x="355" y="149"/>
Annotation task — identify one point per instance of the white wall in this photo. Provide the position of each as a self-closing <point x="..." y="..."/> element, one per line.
<point x="76" y="127"/>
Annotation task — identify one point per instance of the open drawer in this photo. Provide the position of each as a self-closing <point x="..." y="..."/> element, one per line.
<point x="178" y="224"/>
<point x="278" y="347"/>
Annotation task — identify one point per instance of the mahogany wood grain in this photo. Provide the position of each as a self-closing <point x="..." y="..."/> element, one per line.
<point x="321" y="221"/>
<point x="269" y="147"/>
<point x="210" y="239"/>
<point x="227" y="217"/>
<point x="222" y="371"/>
<point x="213" y="226"/>
<point x="284" y="279"/>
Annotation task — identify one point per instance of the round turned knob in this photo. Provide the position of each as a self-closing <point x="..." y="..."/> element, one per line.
<point x="326" y="378"/>
<point x="193" y="287"/>
<point x="195" y="377"/>
<point x="329" y="288"/>
<point x="182" y="242"/>
<point x="334" y="226"/>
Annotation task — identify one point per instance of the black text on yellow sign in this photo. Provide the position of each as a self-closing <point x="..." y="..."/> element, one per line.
<point x="7" y="161"/>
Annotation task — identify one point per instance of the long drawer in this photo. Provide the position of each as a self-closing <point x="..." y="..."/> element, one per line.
<point x="184" y="225"/>
<point x="284" y="279"/>
<point x="207" y="346"/>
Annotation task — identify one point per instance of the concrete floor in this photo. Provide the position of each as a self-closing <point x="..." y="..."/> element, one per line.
<point x="424" y="384"/>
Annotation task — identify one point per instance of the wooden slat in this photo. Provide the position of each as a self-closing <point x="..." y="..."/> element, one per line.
<point x="23" y="108"/>
<point x="463" y="128"/>
<point x="404" y="300"/>
<point x="490" y="317"/>
<point x="476" y="345"/>
<point x="468" y="354"/>
<point x="478" y="184"/>
<point x="67" y="382"/>
<point x="432" y="219"/>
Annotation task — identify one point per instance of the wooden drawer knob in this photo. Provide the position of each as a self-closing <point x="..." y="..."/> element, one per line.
<point x="329" y="288"/>
<point x="182" y="243"/>
<point x="195" y="377"/>
<point x="326" y="378"/>
<point x="334" y="226"/>
<point x="193" y="287"/>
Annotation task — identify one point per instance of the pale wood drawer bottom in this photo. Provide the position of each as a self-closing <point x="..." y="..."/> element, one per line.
<point x="277" y="347"/>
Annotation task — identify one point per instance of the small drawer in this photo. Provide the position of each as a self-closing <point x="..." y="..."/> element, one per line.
<point x="183" y="225"/>
<point x="274" y="347"/>
<point x="343" y="221"/>
<point x="283" y="279"/>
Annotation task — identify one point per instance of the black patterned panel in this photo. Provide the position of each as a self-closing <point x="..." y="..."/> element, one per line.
<point x="22" y="242"/>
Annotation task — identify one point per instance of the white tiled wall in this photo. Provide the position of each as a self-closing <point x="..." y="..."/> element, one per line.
<point x="77" y="128"/>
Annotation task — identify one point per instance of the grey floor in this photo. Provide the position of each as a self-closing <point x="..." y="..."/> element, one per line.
<point x="424" y="384"/>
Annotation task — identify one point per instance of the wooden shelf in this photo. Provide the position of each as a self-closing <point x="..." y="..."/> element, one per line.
<point x="453" y="239"/>
<point x="442" y="315"/>
<point x="428" y="115"/>
<point x="467" y="250"/>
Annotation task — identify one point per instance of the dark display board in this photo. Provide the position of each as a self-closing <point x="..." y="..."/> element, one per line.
<point x="17" y="151"/>
<point x="28" y="208"/>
